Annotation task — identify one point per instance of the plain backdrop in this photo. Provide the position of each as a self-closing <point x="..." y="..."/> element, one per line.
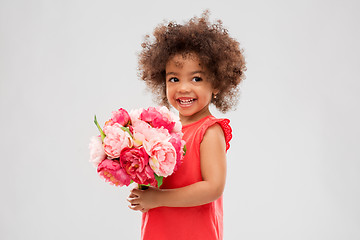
<point x="294" y="161"/>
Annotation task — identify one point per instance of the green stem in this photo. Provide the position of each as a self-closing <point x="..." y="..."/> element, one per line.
<point x="126" y="129"/>
<point x="143" y="187"/>
<point x="98" y="126"/>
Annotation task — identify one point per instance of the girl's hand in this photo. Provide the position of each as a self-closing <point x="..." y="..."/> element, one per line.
<point x="133" y="206"/>
<point x="144" y="200"/>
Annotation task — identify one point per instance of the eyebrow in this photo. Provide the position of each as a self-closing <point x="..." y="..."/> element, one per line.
<point x="171" y="73"/>
<point x="202" y="72"/>
<point x="192" y="73"/>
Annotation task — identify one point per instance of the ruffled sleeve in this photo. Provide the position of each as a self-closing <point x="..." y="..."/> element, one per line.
<point x="224" y="123"/>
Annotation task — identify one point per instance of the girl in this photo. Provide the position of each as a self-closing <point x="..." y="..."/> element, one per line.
<point x="190" y="66"/>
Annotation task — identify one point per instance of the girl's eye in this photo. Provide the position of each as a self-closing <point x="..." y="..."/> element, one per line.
<point x="173" y="79"/>
<point x="197" y="79"/>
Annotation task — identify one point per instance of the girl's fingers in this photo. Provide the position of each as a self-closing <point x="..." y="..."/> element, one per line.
<point x="136" y="207"/>
<point x="133" y="201"/>
<point x="132" y="195"/>
<point x="136" y="191"/>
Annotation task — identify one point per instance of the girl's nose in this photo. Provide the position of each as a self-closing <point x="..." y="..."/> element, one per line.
<point x="184" y="87"/>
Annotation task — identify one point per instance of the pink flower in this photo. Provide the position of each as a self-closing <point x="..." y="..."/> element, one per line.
<point x="157" y="119"/>
<point x="135" y="115"/>
<point x="116" y="140"/>
<point x="143" y="132"/>
<point x="121" y="117"/>
<point x="97" y="153"/>
<point x="112" y="172"/>
<point x="172" y="117"/>
<point x="162" y="158"/>
<point x="178" y="144"/>
<point x="135" y="162"/>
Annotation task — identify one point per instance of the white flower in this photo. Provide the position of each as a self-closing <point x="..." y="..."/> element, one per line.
<point x="97" y="154"/>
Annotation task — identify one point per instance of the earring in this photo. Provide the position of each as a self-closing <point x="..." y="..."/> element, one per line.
<point x="214" y="96"/>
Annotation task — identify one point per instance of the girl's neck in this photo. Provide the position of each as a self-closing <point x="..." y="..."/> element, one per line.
<point x="185" y="120"/>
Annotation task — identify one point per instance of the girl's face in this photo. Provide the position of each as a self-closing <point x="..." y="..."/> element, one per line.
<point x="187" y="87"/>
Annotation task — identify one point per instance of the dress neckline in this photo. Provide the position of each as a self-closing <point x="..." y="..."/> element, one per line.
<point x="198" y="121"/>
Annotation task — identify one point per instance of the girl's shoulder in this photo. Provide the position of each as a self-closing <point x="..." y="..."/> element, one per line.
<point x="213" y="123"/>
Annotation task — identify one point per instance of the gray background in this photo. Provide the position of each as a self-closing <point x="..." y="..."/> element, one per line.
<point x="293" y="165"/>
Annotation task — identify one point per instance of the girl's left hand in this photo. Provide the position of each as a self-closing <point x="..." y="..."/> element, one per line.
<point x="143" y="200"/>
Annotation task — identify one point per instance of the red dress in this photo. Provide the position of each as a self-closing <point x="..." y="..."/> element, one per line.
<point x="204" y="222"/>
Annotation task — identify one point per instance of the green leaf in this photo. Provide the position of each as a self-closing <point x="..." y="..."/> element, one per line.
<point x="126" y="129"/>
<point x="184" y="149"/>
<point x="101" y="131"/>
<point x="159" y="180"/>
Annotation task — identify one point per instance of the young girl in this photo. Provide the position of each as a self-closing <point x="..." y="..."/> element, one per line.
<point x="190" y="66"/>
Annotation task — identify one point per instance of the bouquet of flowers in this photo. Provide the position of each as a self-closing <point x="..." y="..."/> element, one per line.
<point x="142" y="146"/>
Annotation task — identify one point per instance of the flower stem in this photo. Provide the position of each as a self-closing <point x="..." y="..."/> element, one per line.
<point x="98" y="126"/>
<point x="143" y="187"/>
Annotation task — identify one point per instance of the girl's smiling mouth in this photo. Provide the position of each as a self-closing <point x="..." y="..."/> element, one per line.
<point x="185" y="101"/>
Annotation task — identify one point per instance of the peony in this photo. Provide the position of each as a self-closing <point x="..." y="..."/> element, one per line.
<point x="121" y="116"/>
<point x="162" y="157"/>
<point x="112" y="172"/>
<point x="97" y="153"/>
<point x="156" y="119"/>
<point x="135" y="115"/>
<point x="172" y="117"/>
<point x="143" y="132"/>
<point x="116" y="140"/>
<point x="135" y="162"/>
<point x="178" y="143"/>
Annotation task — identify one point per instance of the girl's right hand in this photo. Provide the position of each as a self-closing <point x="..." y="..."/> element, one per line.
<point x="144" y="200"/>
<point x="134" y="206"/>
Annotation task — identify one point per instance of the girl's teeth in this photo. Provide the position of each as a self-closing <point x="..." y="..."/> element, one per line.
<point x="186" y="101"/>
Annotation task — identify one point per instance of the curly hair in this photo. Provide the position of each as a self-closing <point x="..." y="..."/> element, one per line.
<point x="216" y="50"/>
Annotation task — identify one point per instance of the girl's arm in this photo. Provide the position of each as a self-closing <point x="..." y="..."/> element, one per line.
<point x="213" y="170"/>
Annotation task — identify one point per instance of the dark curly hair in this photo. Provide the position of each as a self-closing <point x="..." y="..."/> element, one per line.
<point x="216" y="50"/>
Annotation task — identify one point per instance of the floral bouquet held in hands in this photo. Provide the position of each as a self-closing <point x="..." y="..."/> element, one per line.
<point x="142" y="147"/>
